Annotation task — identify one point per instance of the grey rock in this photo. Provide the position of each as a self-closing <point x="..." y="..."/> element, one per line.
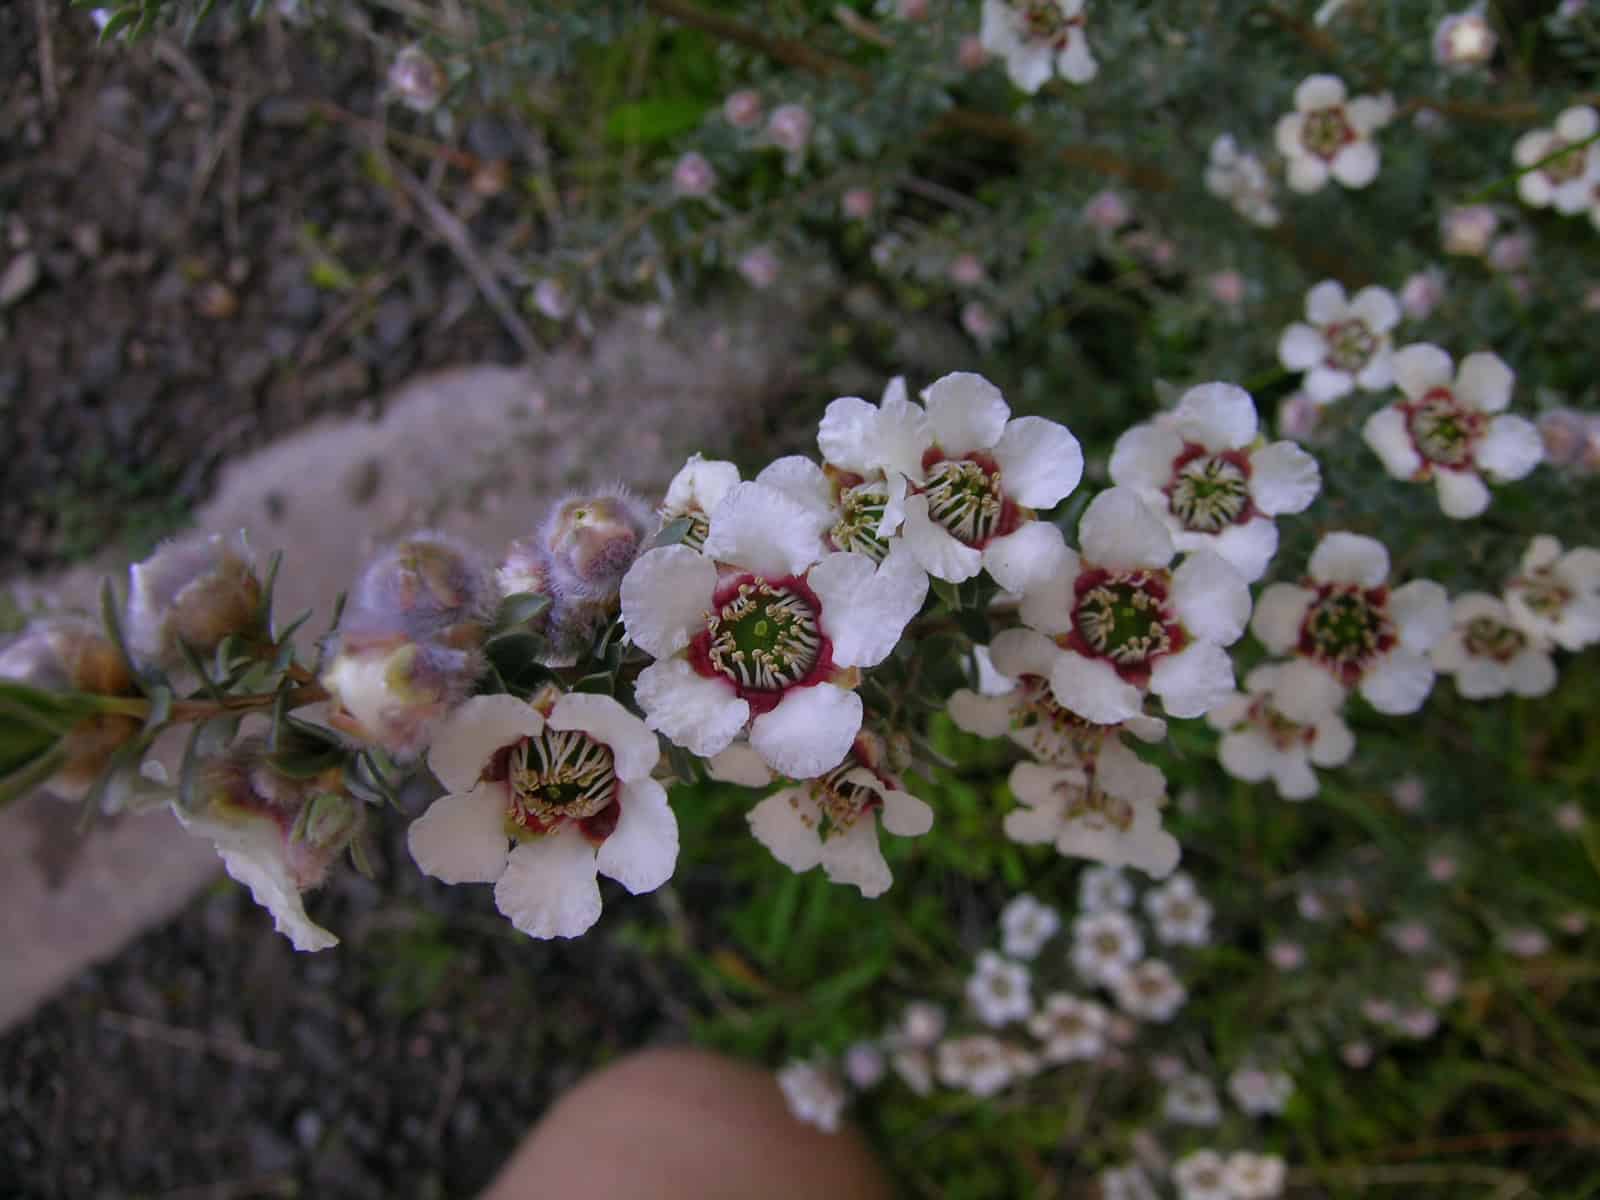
<point x="17" y="280"/>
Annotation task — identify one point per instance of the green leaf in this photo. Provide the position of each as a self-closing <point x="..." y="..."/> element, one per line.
<point x="518" y="609"/>
<point x="648" y="121"/>
<point x="949" y="595"/>
<point x="672" y="533"/>
<point x="25" y="778"/>
<point x="268" y="586"/>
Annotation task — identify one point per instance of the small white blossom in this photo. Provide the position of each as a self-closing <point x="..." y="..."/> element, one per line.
<point x="789" y="128"/>
<point x="979" y="1063"/>
<point x="1466" y="230"/>
<point x="569" y="783"/>
<point x="1259" y="1092"/>
<point x="1239" y="178"/>
<point x="1555" y="595"/>
<point x="1421" y="293"/>
<point x="1127" y="624"/>
<point x="1072" y="1029"/>
<point x="1259" y="742"/>
<point x="1107" y="211"/>
<point x="1450" y="428"/>
<point x="742" y="109"/>
<point x="863" y="1065"/>
<point x="1489" y="655"/>
<point x="1254" y="1176"/>
<point x="1356" y="1055"/>
<point x="1038" y="39"/>
<point x="1125" y="1183"/>
<point x="1103" y="888"/>
<point x="1206" y="474"/>
<point x="1105" y="945"/>
<point x="760" y="267"/>
<point x="1343" y="343"/>
<point x="1201" y="1175"/>
<point x="1191" y="1100"/>
<point x="1526" y="941"/>
<point x="1286" y="956"/>
<point x="1150" y="991"/>
<point x="1026" y="925"/>
<point x="998" y="990"/>
<point x="1348" y="629"/>
<point x="1182" y="916"/>
<point x="1565" y="183"/>
<point x="814" y="1094"/>
<point x="692" y="176"/>
<point x="1109" y="811"/>
<point x="1330" y="135"/>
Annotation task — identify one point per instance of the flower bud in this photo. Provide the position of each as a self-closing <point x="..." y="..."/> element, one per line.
<point x="693" y="176"/>
<point x="428" y="587"/>
<point x="592" y="539"/>
<point x="196" y="590"/>
<point x="742" y="109"/>
<point x="1466" y="230"/>
<point x="760" y="267"/>
<point x="789" y="127"/>
<point x="71" y="654"/>
<point x="550" y="298"/>
<point x="416" y="80"/>
<point x="857" y="203"/>
<point x="1464" y="40"/>
<point x="395" y="694"/>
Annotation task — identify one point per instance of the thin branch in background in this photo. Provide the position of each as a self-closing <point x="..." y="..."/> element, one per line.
<point x="47" y="56"/>
<point x="187" y="1039"/>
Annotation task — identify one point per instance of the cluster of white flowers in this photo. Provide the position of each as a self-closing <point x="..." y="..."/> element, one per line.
<point x="1560" y="167"/>
<point x="1039" y="39"/>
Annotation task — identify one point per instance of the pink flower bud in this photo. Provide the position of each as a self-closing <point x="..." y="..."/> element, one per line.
<point x="760" y="267"/>
<point x="1440" y="985"/>
<point x="693" y="176"/>
<point x="857" y="203"/>
<point x="591" y="540"/>
<point x="1286" y="956"/>
<point x="1422" y="293"/>
<point x="863" y="1065"/>
<point x="197" y="590"/>
<point x="1464" y="40"/>
<point x="395" y="695"/>
<point x="416" y="80"/>
<point x="971" y="55"/>
<point x="1298" y="417"/>
<point x="1562" y="430"/>
<point x="1529" y="941"/>
<point x="1511" y="252"/>
<point x="1419" y="1023"/>
<point x="966" y="270"/>
<point x="789" y="128"/>
<point x="1466" y="230"/>
<point x="1356" y="1055"/>
<point x="1572" y="923"/>
<point x="1408" y="794"/>
<point x="1107" y="211"/>
<point x="1442" y="867"/>
<point x="978" y="321"/>
<point x="742" y="109"/>
<point x="1226" y="287"/>
<point x="1569" y="818"/>
<point x="427" y="587"/>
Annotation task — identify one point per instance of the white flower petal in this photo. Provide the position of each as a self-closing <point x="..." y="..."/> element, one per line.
<point x="1301" y="347"/>
<point x="1421" y="614"/>
<point x="1040" y="461"/>
<point x="1319" y="91"/>
<point x="1533" y="673"/>
<point x="642" y="850"/>
<point x="1030" y="66"/>
<point x="848" y="435"/>
<point x="904" y="815"/>
<point x="1484" y="382"/>
<point x="1211" y="598"/>
<point x="1075" y="63"/>
<point x="1325" y="384"/>
<point x="803" y="481"/>
<point x="934" y="548"/>
<point x="1047" y="606"/>
<point x="760" y="528"/>
<point x="1286" y="134"/>
<point x="1349" y="558"/>
<point x="634" y="748"/>
<point x="1026" y="556"/>
<point x="1194" y="679"/>
<point x="1246" y="754"/>
<point x="786" y="824"/>
<point x="865" y="607"/>
<point x="966" y="411"/>
<point x="853" y="856"/>
<point x="1247" y="548"/>
<point x="700" y="485"/>
<point x="1399" y="684"/>
<point x="1356" y="165"/>
<point x="1092" y="689"/>
<point x="1378" y="374"/>
<point x="462" y="837"/>
<point x="1510" y="449"/>
<point x="1368" y="114"/>
<point x="1143" y="456"/>
<point x="1119" y="530"/>
<point x="1293" y="776"/>
<point x="1377" y="308"/>
<point x="903" y="432"/>
<point x="1283" y="479"/>
<point x="253" y="855"/>
<point x="1334" y="743"/>
<point x="700" y="714"/>
<point x="1218" y="416"/>
<point x="1122" y="773"/>
<point x="1449" y="653"/>
<point x="985" y="716"/>
<point x="1326" y="303"/>
<point x="473" y="732"/>
<point x="810" y="731"/>
<point x="1386" y="435"/>
<point x="1420" y="368"/>
<point x="1305" y="693"/>
<point x="1018" y="652"/>
<point x="1279" y="613"/>
<point x="549" y="888"/>
<point x="739" y="764"/>
<point x="665" y="595"/>
<point x="1462" y="494"/>
<point x="1481" y="679"/>
<point x="1307" y="173"/>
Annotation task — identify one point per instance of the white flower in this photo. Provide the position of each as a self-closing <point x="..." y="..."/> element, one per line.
<point x="1286" y="956"/>
<point x="1467" y="229"/>
<point x="981" y="1064"/>
<point x="1254" y="1176"/>
<point x="1422" y="292"/>
<point x="998" y="990"/>
<point x="1259" y="1092"/>
<point x="970" y="476"/>
<point x="1126" y="624"/>
<point x="1259" y="742"/>
<point x="550" y="297"/>
<point x="694" y="493"/>
<point x="1446" y="428"/>
<point x="1464" y="40"/>
<point x="863" y="1064"/>
<point x="1108" y="809"/>
<point x="789" y="128"/>
<point x="1348" y="629"/>
<point x="1488" y="655"/>
<point x="921" y="1024"/>
<point x="692" y="175"/>
<point x="1150" y="991"/>
<point x="1125" y="1183"/>
<point x="1105" y="945"/>
<point x="1566" y="183"/>
<point x="1072" y="1029"/>
<point x="814" y="1094"/>
<point x="1201" y="1175"/>
<point x="569" y="785"/>
<point x="1026" y="925"/>
<point x="1328" y="134"/>
<point x="1182" y="916"/>
<point x="760" y="267"/>
<point x="1527" y="941"/>
<point x="1240" y="179"/>
<point x="833" y="820"/>
<point x="1556" y="595"/>
<point x="1191" y="1100"/>
<point x="1204" y="471"/>
<point x="768" y="642"/>
<point x="1014" y="699"/>
<point x="1343" y="342"/>
<point x="1038" y="38"/>
<point x="1103" y="888"/>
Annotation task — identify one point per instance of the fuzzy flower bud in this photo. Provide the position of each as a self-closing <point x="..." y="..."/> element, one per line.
<point x="416" y="80"/>
<point x="394" y="694"/>
<point x="592" y="539"/>
<point x="71" y="654"/>
<point x="568" y="625"/>
<point x="1464" y="40"/>
<point x="427" y="587"/>
<point x="196" y="591"/>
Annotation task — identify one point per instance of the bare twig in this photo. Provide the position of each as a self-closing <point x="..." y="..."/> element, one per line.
<point x="187" y="1039"/>
<point x="784" y="50"/>
<point x="224" y="141"/>
<point x="454" y="1074"/>
<point x="455" y="235"/>
<point x="47" y="55"/>
<point x="280" y="1184"/>
<point x="367" y="291"/>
